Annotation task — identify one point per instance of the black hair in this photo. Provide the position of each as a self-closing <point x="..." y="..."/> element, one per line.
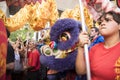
<point x="20" y="46"/>
<point x="96" y="29"/>
<point x="116" y="16"/>
<point x="24" y="43"/>
<point x="8" y="33"/>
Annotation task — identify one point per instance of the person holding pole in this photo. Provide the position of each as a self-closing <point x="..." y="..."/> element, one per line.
<point x="104" y="57"/>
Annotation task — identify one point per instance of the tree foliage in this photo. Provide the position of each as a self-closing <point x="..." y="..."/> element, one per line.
<point x="22" y="33"/>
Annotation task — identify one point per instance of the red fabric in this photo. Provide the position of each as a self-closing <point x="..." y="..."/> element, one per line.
<point x="118" y="3"/>
<point x="33" y="59"/>
<point x="3" y="51"/>
<point x="21" y="3"/>
<point x="105" y="63"/>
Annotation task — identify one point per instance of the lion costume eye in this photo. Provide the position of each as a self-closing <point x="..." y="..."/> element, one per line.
<point x="46" y="50"/>
<point x="64" y="36"/>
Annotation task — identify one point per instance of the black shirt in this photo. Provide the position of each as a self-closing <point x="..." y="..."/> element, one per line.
<point x="10" y="54"/>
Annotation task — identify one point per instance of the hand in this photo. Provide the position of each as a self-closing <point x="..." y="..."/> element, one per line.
<point x="83" y="39"/>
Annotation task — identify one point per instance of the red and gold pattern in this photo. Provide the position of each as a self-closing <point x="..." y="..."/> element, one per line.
<point x="3" y="59"/>
<point x="3" y="51"/>
<point x="117" y="69"/>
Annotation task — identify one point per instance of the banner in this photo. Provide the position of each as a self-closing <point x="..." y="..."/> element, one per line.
<point x="3" y="51"/>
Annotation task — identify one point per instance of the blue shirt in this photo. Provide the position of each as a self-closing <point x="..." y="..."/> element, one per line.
<point x="97" y="40"/>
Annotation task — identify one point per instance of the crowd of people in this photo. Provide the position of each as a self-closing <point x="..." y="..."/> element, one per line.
<point x="23" y="60"/>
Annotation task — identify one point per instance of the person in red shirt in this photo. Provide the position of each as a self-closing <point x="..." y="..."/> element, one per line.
<point x="33" y="62"/>
<point x="104" y="57"/>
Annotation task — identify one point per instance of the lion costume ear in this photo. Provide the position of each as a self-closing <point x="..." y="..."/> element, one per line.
<point x="118" y="3"/>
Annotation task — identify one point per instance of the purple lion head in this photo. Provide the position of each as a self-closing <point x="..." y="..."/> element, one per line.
<point x="72" y="27"/>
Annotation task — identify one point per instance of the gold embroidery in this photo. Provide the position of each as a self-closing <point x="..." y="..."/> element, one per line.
<point x="117" y="77"/>
<point x="3" y="49"/>
<point x="117" y="69"/>
<point x="117" y="64"/>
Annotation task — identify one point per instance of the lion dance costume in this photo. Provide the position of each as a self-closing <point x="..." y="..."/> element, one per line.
<point x="60" y="54"/>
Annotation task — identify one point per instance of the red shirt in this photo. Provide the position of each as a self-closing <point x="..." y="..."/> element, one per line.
<point x="33" y="59"/>
<point x="105" y="63"/>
